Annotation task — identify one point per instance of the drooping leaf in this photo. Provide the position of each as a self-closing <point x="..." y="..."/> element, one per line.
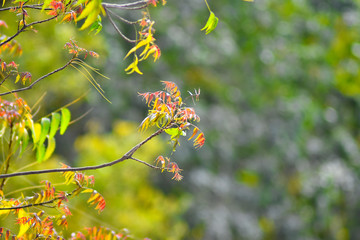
<point x="211" y="23"/>
<point x="45" y="127"/>
<point x="50" y="148"/>
<point x="65" y="120"/>
<point x="91" y="13"/>
<point x="194" y="132"/>
<point x="55" y="122"/>
<point x="23" y="227"/>
<point x="96" y="26"/>
<point x="36" y="132"/>
<point x="24" y="141"/>
<point x="40" y="153"/>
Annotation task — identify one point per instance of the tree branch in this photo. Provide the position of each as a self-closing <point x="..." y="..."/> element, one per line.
<point x="34" y="6"/>
<point x="128" y="6"/>
<point x="116" y="28"/>
<point x="126" y="156"/>
<point x="24" y="27"/>
<point x="39" y="79"/>
<point x="41" y="203"/>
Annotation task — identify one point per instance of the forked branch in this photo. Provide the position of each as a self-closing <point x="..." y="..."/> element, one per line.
<point x="126" y="156"/>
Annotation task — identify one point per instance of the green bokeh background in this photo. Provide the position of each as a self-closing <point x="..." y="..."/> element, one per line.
<point x="279" y="108"/>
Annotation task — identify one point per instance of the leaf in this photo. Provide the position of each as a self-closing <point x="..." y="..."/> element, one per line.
<point x="55" y="122"/>
<point x="133" y="67"/>
<point x="91" y="13"/>
<point x="23" y="227"/>
<point x="40" y="153"/>
<point x="65" y="120"/>
<point x="173" y="132"/>
<point x="194" y="132"/>
<point x="25" y="141"/>
<point x="96" y="26"/>
<point x="211" y="23"/>
<point x="45" y="127"/>
<point x="36" y="132"/>
<point x="50" y="148"/>
<point x="17" y="78"/>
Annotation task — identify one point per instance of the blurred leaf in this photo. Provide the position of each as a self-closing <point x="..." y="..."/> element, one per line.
<point x="65" y="120"/>
<point x="55" y="122"/>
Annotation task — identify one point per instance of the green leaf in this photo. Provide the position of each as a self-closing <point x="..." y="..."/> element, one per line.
<point x="173" y="131"/>
<point x="96" y="26"/>
<point x="36" y="132"/>
<point x="211" y="23"/>
<point x="40" y="153"/>
<point x="50" y="148"/>
<point x="45" y="126"/>
<point x="24" y="142"/>
<point x="65" y="120"/>
<point x="55" y="122"/>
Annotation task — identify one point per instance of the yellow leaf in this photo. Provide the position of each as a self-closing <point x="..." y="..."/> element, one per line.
<point x="23" y="227"/>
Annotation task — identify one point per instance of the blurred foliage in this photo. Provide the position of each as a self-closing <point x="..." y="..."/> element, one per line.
<point x="132" y="201"/>
<point x="279" y="107"/>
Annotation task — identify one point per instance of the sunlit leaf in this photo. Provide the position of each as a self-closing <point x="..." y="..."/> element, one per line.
<point x="40" y="153"/>
<point x="45" y="127"/>
<point x="24" y="141"/>
<point x="211" y="23"/>
<point x="65" y="120"/>
<point x="50" y="148"/>
<point x="55" y="122"/>
<point x="23" y="227"/>
<point x="36" y="132"/>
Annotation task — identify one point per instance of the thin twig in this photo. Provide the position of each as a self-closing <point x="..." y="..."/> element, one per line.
<point x="41" y="203"/>
<point x="126" y="156"/>
<point x="24" y="27"/>
<point x="128" y="6"/>
<point x="121" y="18"/>
<point x="39" y="79"/>
<point x="147" y="164"/>
<point x="117" y="29"/>
<point x="4" y="79"/>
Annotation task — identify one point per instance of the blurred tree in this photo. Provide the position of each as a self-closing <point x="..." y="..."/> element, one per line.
<point x="26" y="137"/>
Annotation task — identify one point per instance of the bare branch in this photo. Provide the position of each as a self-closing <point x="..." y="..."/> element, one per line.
<point x="128" y="6"/>
<point x="147" y="164"/>
<point x="34" y="6"/>
<point x="24" y="27"/>
<point x="41" y="203"/>
<point x="117" y="29"/>
<point x="39" y="79"/>
<point x="121" y="18"/>
<point x="126" y="156"/>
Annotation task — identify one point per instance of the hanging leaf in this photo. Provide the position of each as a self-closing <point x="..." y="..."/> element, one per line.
<point x="45" y="127"/>
<point x="50" y="148"/>
<point x="211" y="23"/>
<point x="40" y="153"/>
<point x="36" y="132"/>
<point x="55" y="122"/>
<point x="23" y="227"/>
<point x="24" y="141"/>
<point x="65" y="120"/>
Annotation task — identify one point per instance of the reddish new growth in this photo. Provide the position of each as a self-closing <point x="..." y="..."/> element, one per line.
<point x="12" y="112"/>
<point x="168" y="112"/>
<point x="76" y="50"/>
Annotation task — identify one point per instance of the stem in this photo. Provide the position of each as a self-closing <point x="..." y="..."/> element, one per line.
<point x="39" y="79"/>
<point x="207" y="5"/>
<point x="116" y="28"/>
<point x="42" y="203"/>
<point x="127" y="6"/>
<point x="126" y="156"/>
<point x="24" y="27"/>
<point x="8" y="157"/>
